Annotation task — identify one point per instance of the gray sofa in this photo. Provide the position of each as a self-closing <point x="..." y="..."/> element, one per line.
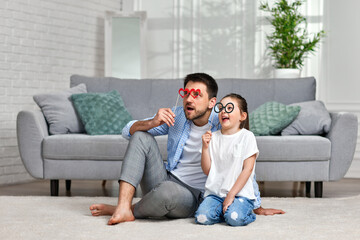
<point x="282" y="158"/>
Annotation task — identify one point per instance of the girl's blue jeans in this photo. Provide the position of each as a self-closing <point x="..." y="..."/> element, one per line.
<point x="239" y="213"/>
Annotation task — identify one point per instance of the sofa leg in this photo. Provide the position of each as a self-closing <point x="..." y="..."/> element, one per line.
<point x="54" y="187"/>
<point x="68" y="185"/>
<point x="103" y="183"/>
<point x="308" y="188"/>
<point x="318" y="189"/>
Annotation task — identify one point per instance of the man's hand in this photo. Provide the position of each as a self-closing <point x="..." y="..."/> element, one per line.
<point x="164" y="115"/>
<point x="206" y="139"/>
<point x="268" y="211"/>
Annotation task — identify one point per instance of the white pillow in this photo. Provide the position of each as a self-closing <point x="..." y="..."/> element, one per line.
<point x="59" y="111"/>
<point x="313" y="119"/>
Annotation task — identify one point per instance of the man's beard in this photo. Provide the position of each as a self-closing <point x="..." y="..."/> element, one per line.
<point x="197" y="115"/>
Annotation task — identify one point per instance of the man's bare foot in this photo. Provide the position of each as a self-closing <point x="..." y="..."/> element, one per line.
<point x="121" y="215"/>
<point x="102" y="209"/>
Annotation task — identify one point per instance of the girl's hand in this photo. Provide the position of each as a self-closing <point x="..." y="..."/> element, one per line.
<point x="227" y="202"/>
<point x="206" y="139"/>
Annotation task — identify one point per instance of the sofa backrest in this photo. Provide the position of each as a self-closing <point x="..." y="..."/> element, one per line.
<point x="144" y="97"/>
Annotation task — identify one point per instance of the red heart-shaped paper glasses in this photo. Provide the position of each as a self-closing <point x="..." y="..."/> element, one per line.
<point x="184" y="92"/>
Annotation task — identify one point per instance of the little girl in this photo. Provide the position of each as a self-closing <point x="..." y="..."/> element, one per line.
<point x="228" y="158"/>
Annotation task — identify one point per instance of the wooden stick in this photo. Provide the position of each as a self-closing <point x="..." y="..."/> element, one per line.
<point x="176" y="102"/>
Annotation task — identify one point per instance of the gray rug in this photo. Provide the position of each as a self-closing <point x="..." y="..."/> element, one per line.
<point x="69" y="218"/>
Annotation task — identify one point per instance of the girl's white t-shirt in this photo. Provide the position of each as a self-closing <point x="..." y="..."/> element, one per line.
<point x="227" y="154"/>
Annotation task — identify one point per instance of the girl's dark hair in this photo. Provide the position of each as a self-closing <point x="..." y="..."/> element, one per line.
<point x="211" y="85"/>
<point x="242" y="106"/>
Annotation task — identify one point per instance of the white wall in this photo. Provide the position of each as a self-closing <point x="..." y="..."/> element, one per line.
<point x="341" y="62"/>
<point x="43" y="42"/>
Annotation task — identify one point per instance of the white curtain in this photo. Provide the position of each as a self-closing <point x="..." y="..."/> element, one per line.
<point x="221" y="37"/>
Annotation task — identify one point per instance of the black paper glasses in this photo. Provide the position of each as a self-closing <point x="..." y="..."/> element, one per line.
<point x="228" y="107"/>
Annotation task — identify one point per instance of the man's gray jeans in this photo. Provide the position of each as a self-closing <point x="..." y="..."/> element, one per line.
<point x="163" y="194"/>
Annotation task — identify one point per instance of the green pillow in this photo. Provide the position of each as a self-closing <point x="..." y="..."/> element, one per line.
<point x="272" y="117"/>
<point x="101" y="113"/>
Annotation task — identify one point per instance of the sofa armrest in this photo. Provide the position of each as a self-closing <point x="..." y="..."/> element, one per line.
<point x="343" y="136"/>
<point x="31" y="129"/>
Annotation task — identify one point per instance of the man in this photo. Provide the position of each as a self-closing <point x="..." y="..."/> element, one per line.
<point x="174" y="191"/>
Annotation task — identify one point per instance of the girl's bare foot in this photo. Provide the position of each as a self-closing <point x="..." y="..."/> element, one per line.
<point x="102" y="209"/>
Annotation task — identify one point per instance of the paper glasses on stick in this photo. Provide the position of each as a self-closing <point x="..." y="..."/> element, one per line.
<point x="228" y="107"/>
<point x="185" y="92"/>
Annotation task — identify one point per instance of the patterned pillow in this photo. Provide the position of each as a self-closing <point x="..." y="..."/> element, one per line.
<point x="101" y="113"/>
<point x="272" y="117"/>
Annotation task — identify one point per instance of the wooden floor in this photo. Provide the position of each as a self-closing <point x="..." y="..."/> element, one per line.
<point x="343" y="188"/>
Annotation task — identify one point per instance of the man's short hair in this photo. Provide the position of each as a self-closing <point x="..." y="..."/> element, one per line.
<point x="211" y="85"/>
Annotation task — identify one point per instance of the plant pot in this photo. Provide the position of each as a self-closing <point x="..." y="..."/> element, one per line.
<point x="287" y="73"/>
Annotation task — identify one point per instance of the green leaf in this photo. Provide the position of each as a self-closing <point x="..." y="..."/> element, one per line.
<point x="289" y="42"/>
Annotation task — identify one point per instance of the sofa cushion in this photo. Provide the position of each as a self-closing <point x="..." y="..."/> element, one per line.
<point x="59" y="111"/>
<point x="272" y="117"/>
<point x="86" y="147"/>
<point x="113" y="147"/>
<point x="313" y="119"/>
<point x="101" y="113"/>
<point x="293" y="148"/>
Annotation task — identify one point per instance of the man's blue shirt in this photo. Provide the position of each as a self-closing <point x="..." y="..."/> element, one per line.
<point x="177" y="137"/>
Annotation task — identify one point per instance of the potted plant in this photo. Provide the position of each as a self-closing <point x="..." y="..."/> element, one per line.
<point x="289" y="42"/>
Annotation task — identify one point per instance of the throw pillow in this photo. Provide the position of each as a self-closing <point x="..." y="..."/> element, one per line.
<point x="101" y="113"/>
<point x="59" y="111"/>
<point x="313" y="119"/>
<point x="272" y="117"/>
